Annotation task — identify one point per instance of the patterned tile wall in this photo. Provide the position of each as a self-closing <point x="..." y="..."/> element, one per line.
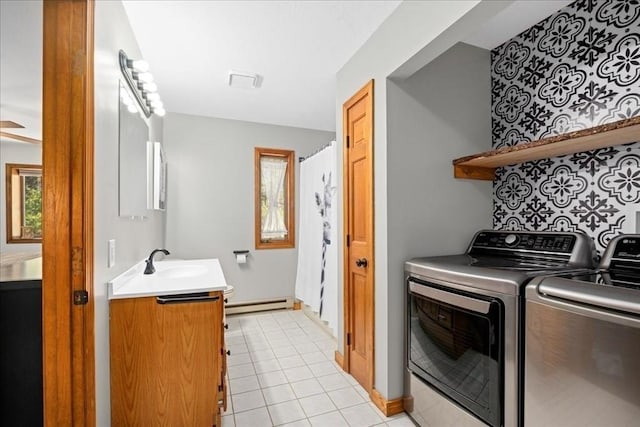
<point x="576" y="69"/>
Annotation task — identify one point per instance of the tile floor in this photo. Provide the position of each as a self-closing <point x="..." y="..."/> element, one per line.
<point x="281" y="372"/>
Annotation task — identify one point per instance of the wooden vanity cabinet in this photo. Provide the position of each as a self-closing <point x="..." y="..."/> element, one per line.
<point x="167" y="359"/>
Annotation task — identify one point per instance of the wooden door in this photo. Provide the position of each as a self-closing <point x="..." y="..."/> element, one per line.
<point x="67" y="245"/>
<point x="358" y="210"/>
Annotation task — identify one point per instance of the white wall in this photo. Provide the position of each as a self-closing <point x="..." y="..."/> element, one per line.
<point x="15" y="152"/>
<point x="134" y="238"/>
<point x="440" y="113"/>
<point x="413" y="35"/>
<point x="210" y="199"/>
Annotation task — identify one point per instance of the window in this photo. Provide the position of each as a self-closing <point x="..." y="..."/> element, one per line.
<point x="24" y="203"/>
<point x="274" y="199"/>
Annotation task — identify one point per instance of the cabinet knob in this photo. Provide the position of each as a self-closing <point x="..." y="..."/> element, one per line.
<point x="226" y="326"/>
<point x="226" y="300"/>
<point x="228" y="352"/>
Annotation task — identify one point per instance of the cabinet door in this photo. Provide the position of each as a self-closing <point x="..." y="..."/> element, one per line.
<point x="164" y="362"/>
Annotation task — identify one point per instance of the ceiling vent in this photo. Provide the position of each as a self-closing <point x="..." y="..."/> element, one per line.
<point x="244" y="80"/>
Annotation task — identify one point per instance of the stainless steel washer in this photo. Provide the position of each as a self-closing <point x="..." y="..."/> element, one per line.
<point x="582" y="352"/>
<point x="463" y="324"/>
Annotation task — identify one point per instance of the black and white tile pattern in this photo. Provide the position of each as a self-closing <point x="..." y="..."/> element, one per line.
<point x="577" y="69"/>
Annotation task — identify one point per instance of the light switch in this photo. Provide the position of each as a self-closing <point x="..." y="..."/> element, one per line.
<point x="112" y="253"/>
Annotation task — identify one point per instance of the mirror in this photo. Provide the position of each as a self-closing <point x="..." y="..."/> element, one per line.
<point x="133" y="158"/>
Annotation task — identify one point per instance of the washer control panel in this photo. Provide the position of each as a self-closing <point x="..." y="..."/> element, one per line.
<point x="538" y="242"/>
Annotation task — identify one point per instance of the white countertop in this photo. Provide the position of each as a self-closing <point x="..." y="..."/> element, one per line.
<point x="204" y="275"/>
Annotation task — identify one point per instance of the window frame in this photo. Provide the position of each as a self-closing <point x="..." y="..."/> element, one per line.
<point x="11" y="170"/>
<point x="289" y="198"/>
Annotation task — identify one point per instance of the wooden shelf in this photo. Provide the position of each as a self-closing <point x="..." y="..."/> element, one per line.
<point x="483" y="165"/>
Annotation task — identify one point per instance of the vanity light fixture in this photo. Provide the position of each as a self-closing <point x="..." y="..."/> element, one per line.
<point x="140" y="81"/>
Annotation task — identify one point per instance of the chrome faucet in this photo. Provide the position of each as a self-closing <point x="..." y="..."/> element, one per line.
<point x="150" y="269"/>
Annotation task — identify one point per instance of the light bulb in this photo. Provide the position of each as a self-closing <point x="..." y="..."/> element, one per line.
<point x="143" y="77"/>
<point x="159" y="111"/>
<point x="138" y="65"/>
<point x="150" y="87"/>
<point x="156" y="103"/>
<point x="152" y="96"/>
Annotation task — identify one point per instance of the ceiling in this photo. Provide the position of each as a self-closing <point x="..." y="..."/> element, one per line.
<point x="296" y="46"/>
<point x="513" y="20"/>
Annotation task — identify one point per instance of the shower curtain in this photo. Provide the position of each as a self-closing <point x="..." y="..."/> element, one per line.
<point x="317" y="274"/>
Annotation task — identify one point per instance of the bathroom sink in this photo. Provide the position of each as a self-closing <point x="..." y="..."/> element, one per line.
<point x="171" y="277"/>
<point x="181" y="271"/>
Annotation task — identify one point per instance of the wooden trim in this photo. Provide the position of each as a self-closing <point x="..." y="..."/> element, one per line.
<point x="346" y="294"/>
<point x="474" y="172"/>
<point x="290" y="199"/>
<point x="8" y="124"/>
<point x="408" y="403"/>
<point x="368" y="88"/>
<point x="88" y="319"/>
<point x="19" y="137"/>
<point x="297" y="305"/>
<point x="68" y="132"/>
<point x="388" y="407"/>
<point x="339" y="359"/>
<point x="10" y="170"/>
<point x="607" y="135"/>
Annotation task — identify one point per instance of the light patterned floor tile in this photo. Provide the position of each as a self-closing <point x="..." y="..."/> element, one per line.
<point x="228" y="421"/>
<point x="298" y="374"/>
<point x="246" y="401"/>
<point x="238" y="348"/>
<point x="266" y="366"/>
<point x="345" y="397"/>
<point x="403" y="421"/>
<point x="299" y="423"/>
<point x="239" y="371"/>
<point x="291" y="361"/>
<point x="286" y="412"/>
<point x="255" y="418"/>
<point x="233" y="339"/>
<point x="261" y="355"/>
<point x="317" y="404"/>
<point x="333" y="382"/>
<point x="278" y="394"/>
<point x="323" y="368"/>
<point x="238" y="359"/>
<point x="285" y="351"/>
<point x="243" y="384"/>
<point x="361" y="415"/>
<point x="306" y="347"/>
<point x="307" y="388"/>
<point x="270" y="379"/>
<point x="362" y="391"/>
<point x="333" y="419"/>
<point x="283" y="372"/>
<point x="316" y="357"/>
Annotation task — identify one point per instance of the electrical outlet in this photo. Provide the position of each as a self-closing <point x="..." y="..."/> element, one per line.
<point x="112" y="253"/>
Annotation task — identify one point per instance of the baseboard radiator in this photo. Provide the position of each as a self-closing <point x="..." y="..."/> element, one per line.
<point x="262" y="305"/>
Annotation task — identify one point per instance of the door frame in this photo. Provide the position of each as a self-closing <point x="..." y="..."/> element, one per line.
<point x="367" y="89"/>
<point x="67" y="152"/>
